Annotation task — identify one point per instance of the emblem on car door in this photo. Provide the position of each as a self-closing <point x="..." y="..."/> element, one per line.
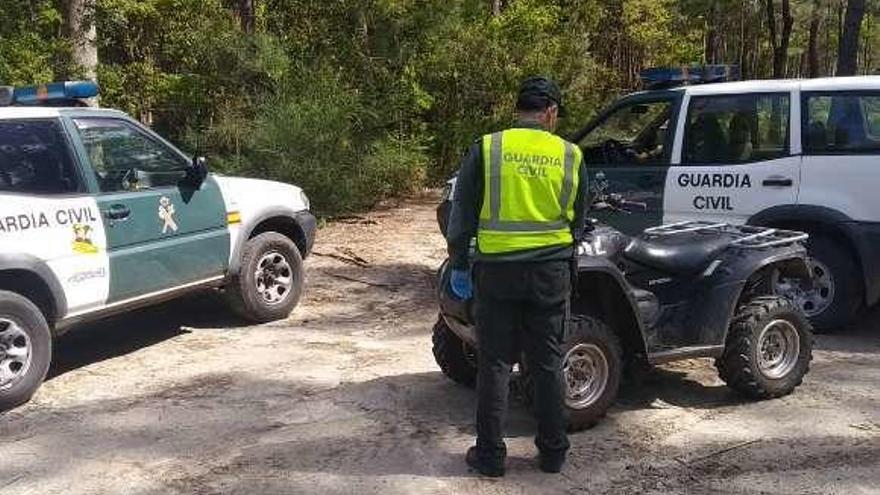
<point x="166" y="214"/>
<point x="82" y="239"/>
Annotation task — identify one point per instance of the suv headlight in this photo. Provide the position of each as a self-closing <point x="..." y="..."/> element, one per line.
<point x="305" y="199"/>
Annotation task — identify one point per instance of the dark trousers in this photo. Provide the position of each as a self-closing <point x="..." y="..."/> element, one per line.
<point x="521" y="304"/>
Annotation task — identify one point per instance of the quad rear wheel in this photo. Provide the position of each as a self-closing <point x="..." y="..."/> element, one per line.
<point x="768" y="350"/>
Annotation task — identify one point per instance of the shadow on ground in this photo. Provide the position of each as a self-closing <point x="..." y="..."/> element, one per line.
<point x="673" y="387"/>
<point x="132" y="331"/>
<point x="341" y="296"/>
<point x="230" y="433"/>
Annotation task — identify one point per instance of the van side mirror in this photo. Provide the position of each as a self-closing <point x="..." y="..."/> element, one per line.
<point x="198" y="171"/>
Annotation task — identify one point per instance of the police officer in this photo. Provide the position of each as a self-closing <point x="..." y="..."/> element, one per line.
<point x="521" y="193"/>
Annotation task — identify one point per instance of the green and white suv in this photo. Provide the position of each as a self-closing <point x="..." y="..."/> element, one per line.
<point x="99" y="215"/>
<point x="798" y="155"/>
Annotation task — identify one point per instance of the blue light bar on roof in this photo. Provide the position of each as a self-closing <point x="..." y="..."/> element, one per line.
<point x="7" y="94"/>
<point x="667" y="77"/>
<point x="55" y="92"/>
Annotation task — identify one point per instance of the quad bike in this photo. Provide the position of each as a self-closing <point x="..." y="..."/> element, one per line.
<point x="679" y="291"/>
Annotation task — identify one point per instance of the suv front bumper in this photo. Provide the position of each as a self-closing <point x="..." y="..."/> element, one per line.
<point x="309" y="225"/>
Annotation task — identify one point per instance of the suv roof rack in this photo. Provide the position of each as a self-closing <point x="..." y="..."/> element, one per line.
<point x="671" y="77"/>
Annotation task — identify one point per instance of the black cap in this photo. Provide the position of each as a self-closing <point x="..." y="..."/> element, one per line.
<point x="539" y="93"/>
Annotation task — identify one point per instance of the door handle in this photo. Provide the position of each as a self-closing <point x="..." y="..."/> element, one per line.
<point x="778" y="182"/>
<point x="117" y="212"/>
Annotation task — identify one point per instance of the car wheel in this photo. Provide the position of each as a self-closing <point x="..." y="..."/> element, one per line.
<point x="457" y="360"/>
<point x="768" y="350"/>
<point x="270" y="280"/>
<point x="836" y="295"/>
<point x="25" y="349"/>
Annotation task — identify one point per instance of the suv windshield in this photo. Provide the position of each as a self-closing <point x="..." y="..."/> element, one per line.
<point x="632" y="134"/>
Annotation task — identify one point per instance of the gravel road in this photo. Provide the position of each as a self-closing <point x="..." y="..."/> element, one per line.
<point x="344" y="398"/>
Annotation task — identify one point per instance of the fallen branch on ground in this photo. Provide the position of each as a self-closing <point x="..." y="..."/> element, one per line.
<point x="717" y="452"/>
<point x="353" y="220"/>
<point x="351" y="254"/>
<point x="365" y="282"/>
<point x="345" y="259"/>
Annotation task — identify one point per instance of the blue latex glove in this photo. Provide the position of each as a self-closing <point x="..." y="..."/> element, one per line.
<point x="461" y="285"/>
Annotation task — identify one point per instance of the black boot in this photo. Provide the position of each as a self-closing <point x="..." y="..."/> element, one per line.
<point x="551" y="463"/>
<point x="494" y="470"/>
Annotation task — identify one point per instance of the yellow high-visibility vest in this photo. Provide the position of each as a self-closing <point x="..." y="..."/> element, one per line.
<point x="530" y="180"/>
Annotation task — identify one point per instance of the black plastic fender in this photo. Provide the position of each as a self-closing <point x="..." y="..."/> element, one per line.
<point x="455" y="312"/>
<point x="642" y="315"/>
<point x="727" y="284"/>
<point x="860" y="236"/>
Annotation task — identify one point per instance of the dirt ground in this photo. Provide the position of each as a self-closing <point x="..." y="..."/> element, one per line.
<point x="344" y="398"/>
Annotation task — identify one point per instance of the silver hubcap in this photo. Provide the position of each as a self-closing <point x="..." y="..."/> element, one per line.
<point x="273" y="277"/>
<point x="779" y="347"/>
<point x="812" y="301"/>
<point x="15" y="353"/>
<point x="586" y="373"/>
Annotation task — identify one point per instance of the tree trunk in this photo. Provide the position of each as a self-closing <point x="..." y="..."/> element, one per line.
<point x="79" y="27"/>
<point x="779" y="42"/>
<point x="713" y="37"/>
<point x="246" y="14"/>
<point x="813" y="44"/>
<point x="496" y="7"/>
<point x="771" y="27"/>
<point x="848" y="50"/>
<point x="829" y="62"/>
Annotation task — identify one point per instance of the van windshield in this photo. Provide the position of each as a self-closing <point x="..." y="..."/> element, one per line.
<point x="631" y="135"/>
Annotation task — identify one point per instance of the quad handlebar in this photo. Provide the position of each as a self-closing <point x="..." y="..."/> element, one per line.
<point x="605" y="201"/>
<point x="615" y="203"/>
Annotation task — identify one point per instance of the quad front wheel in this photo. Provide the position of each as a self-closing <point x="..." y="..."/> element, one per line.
<point x="456" y="359"/>
<point x="769" y="348"/>
<point x="592" y="368"/>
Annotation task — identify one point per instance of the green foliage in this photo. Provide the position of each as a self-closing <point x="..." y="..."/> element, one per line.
<point x="30" y="50"/>
<point x="313" y="133"/>
<point x="360" y="100"/>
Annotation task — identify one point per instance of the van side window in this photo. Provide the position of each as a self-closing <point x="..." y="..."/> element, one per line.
<point x="35" y="158"/>
<point x="730" y="129"/>
<point x="843" y="123"/>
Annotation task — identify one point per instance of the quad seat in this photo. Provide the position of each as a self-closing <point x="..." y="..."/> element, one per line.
<point x="677" y="254"/>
